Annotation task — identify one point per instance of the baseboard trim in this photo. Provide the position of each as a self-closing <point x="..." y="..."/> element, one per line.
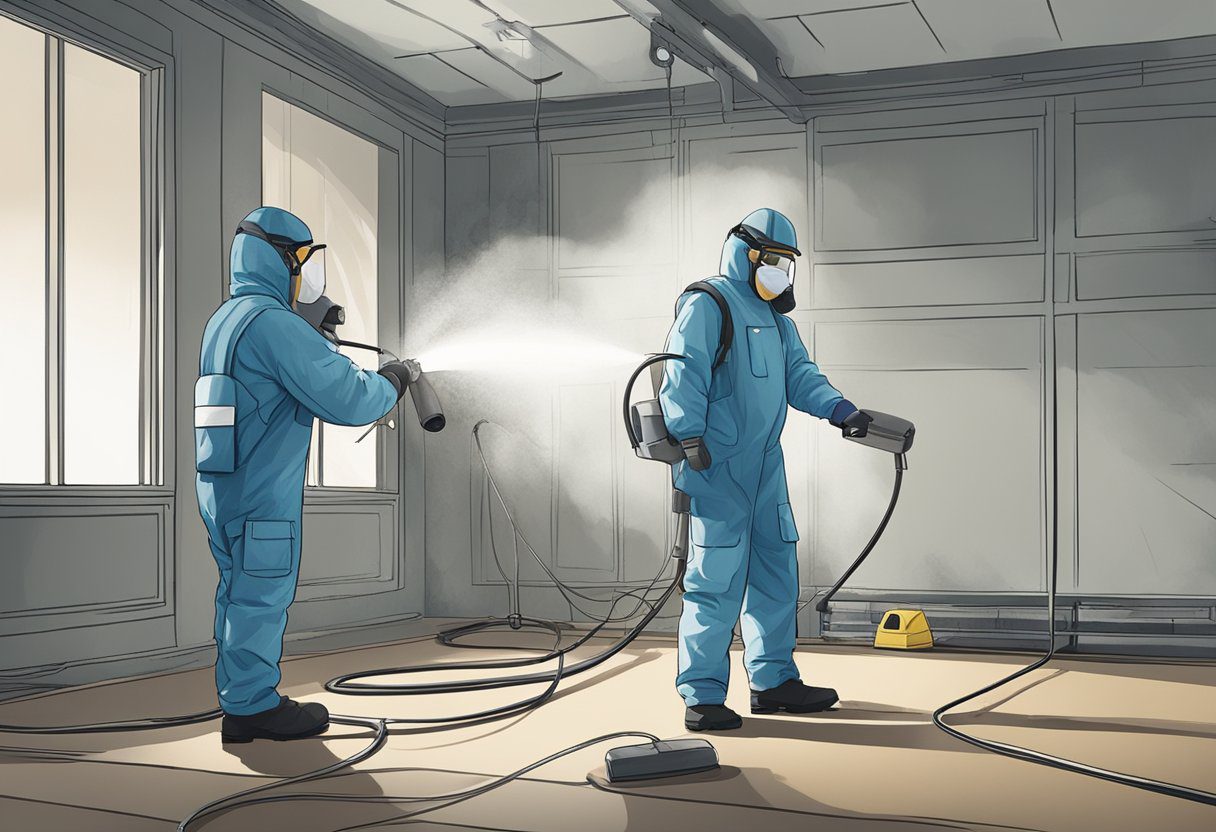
<point x="45" y="680"/>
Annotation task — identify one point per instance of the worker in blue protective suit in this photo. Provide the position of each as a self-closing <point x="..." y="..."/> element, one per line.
<point x="743" y="557"/>
<point x="265" y="374"/>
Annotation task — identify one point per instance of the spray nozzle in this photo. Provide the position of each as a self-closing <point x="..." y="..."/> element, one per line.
<point x="326" y="316"/>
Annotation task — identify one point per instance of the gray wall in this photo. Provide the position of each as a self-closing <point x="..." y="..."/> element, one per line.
<point x="969" y="261"/>
<point x="1030" y="276"/>
<point x="97" y="576"/>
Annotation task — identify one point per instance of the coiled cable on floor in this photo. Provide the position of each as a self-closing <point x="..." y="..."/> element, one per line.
<point x="350" y="685"/>
<point x="444" y="800"/>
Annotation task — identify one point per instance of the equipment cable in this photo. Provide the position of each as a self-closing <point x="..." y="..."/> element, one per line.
<point x="1029" y="755"/>
<point x="349" y="684"/>
<point x="1007" y="749"/>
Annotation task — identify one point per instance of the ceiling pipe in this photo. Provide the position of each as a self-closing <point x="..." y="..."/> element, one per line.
<point x="742" y="57"/>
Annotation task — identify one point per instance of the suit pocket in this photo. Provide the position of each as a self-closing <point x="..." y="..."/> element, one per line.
<point x="716" y="521"/>
<point x="713" y="533"/>
<point x="268" y="548"/>
<point x="715" y="557"/>
<point x="759" y="341"/>
<point x="785" y="521"/>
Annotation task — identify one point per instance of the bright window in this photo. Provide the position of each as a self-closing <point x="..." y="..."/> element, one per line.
<point x="328" y="177"/>
<point x="82" y="304"/>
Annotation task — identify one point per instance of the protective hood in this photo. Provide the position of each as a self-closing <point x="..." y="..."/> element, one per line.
<point x="735" y="264"/>
<point x="772" y="226"/>
<point x="256" y="268"/>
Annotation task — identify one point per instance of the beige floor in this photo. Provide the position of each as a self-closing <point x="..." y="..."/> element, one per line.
<point x="875" y="763"/>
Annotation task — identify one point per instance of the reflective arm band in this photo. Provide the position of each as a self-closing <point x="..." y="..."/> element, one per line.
<point x="214" y="416"/>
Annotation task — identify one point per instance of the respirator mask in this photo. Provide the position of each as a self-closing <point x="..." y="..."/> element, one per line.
<point x="304" y="261"/>
<point x="772" y="276"/>
<point x="312" y="276"/>
<point x="324" y="316"/>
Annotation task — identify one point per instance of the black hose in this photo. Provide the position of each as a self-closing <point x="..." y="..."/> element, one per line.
<point x="449" y="798"/>
<point x="232" y="801"/>
<point x="900" y="465"/>
<point x="652" y="359"/>
<point x="1007" y="749"/>
<point x="1032" y="756"/>
<point x="348" y="684"/>
<point x="1017" y="752"/>
<point x="116" y="727"/>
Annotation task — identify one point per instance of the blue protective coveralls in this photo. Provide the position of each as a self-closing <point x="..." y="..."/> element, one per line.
<point x="286" y="374"/>
<point x="743" y="555"/>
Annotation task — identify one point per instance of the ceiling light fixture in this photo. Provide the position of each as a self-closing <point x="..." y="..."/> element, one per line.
<point x="661" y="55"/>
<point x="505" y="30"/>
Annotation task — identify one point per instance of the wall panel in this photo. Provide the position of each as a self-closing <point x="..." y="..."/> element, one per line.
<point x="970" y="514"/>
<point x="927" y="187"/>
<point x="67" y="560"/>
<point x="1140" y="176"/>
<point x="1144" y="274"/>
<point x="348" y="545"/>
<point x="963" y="281"/>
<point x="613" y="211"/>
<point x="1146" y="427"/>
<point x="584" y="492"/>
<point x="466" y="204"/>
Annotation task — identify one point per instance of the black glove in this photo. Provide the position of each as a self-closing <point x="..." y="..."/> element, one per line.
<point x="856" y="425"/>
<point x="402" y="374"/>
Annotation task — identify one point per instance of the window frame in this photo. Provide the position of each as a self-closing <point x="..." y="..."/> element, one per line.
<point x="154" y="302"/>
<point x="388" y="164"/>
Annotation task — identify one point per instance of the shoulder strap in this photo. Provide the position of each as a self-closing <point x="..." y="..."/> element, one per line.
<point x="727" y="336"/>
<point x="225" y="329"/>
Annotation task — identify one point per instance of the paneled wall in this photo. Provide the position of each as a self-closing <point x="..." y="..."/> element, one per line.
<point x="107" y="580"/>
<point x="928" y="301"/>
<point x="1137" y="344"/>
<point x="1032" y="281"/>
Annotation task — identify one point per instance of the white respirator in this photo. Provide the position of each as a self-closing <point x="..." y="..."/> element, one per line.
<point x="312" y="277"/>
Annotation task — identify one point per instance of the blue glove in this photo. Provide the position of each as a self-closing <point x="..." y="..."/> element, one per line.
<point x="842" y="411"/>
<point x="851" y="421"/>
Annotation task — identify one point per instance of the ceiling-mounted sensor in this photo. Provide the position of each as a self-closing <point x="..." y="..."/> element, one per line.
<point x="661" y="55"/>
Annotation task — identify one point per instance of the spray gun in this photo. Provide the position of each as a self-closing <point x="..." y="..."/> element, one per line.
<point x="325" y="316"/>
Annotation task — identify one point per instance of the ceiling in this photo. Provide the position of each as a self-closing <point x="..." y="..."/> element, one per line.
<point x="461" y="52"/>
<point x="466" y="52"/>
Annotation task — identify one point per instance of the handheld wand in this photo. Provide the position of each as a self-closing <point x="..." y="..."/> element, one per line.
<point x="326" y="316"/>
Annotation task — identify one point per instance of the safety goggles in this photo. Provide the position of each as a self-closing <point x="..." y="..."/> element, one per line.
<point x="294" y="253"/>
<point x="778" y="260"/>
<point x="766" y="252"/>
<point x="304" y="254"/>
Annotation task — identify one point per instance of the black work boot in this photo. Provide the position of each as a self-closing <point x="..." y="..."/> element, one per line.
<point x="289" y="720"/>
<point x="793" y="697"/>
<point x="711" y="718"/>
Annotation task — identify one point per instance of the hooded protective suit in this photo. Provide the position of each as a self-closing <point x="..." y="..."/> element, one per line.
<point x="286" y="375"/>
<point x="743" y="555"/>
